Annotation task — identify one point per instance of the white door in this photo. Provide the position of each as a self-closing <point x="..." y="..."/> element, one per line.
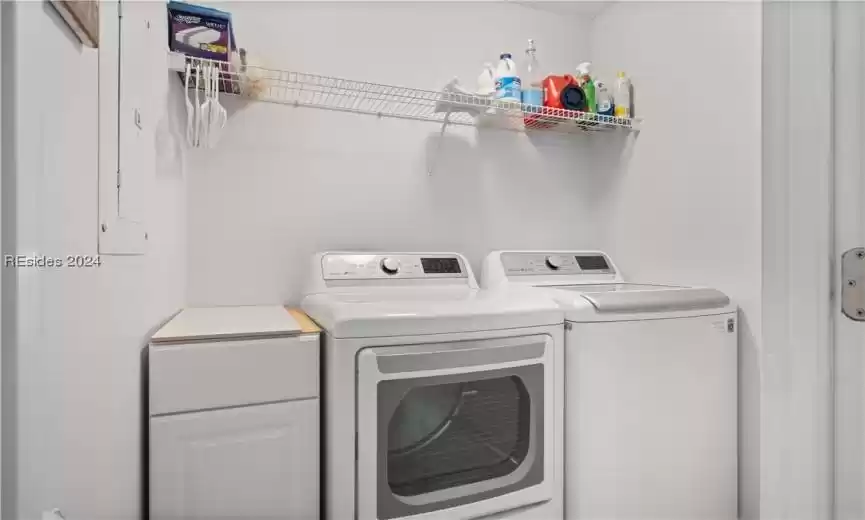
<point x="849" y="323"/>
<point x="257" y="462"/>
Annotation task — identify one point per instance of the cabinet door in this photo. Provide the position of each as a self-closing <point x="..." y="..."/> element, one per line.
<point x="257" y="462"/>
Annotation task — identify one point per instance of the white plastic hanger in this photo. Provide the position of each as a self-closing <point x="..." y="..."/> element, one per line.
<point x="205" y="108"/>
<point x="190" y="110"/>
<point x="197" y="125"/>
<point x="219" y="116"/>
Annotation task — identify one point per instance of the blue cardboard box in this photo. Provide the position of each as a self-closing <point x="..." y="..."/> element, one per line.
<point x="200" y="31"/>
<point x="203" y="32"/>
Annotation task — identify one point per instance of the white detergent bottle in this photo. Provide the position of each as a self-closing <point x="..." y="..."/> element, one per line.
<point x="507" y="79"/>
<point x="487" y="81"/>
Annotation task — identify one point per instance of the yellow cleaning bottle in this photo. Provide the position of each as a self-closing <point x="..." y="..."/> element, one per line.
<point x="622" y="96"/>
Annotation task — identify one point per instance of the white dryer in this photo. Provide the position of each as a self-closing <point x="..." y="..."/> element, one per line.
<point x="440" y="401"/>
<point x="650" y="388"/>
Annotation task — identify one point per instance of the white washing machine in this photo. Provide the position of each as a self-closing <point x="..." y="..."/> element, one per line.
<point x="440" y="401"/>
<point x="650" y="388"/>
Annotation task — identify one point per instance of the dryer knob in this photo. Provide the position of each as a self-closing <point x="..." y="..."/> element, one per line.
<point x="554" y="262"/>
<point x="390" y="265"/>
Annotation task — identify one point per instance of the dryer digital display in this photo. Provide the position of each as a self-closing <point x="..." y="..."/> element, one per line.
<point x="592" y="263"/>
<point x="440" y="265"/>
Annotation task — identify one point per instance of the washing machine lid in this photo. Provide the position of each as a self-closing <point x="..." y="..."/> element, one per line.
<point x="410" y="312"/>
<point x="646" y="300"/>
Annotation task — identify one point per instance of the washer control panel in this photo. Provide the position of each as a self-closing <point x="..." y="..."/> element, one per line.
<point x="516" y="264"/>
<point x="345" y="266"/>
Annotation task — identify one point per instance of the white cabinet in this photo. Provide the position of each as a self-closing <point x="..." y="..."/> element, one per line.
<point x="234" y="415"/>
<point x="256" y="462"/>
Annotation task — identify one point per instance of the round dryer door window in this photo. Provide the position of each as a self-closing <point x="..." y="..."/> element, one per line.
<point x="455" y="434"/>
<point x="454" y="439"/>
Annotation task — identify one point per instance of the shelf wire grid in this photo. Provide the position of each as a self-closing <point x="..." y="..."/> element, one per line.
<point x="444" y="107"/>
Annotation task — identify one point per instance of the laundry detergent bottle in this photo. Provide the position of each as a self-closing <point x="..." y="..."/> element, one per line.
<point x="584" y="77"/>
<point x="487" y="80"/>
<point x="604" y="99"/>
<point x="507" y="79"/>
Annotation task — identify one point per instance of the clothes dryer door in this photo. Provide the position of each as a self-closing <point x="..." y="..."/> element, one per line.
<point x="451" y="424"/>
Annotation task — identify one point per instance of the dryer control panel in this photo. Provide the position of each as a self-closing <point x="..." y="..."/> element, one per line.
<point x="355" y="266"/>
<point x="558" y="263"/>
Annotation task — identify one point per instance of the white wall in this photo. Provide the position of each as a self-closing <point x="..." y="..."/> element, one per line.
<point x="682" y="204"/>
<point x="286" y="182"/>
<point x="80" y="331"/>
<point x="688" y="207"/>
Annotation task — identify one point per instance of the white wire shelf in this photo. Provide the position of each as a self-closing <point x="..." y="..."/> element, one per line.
<point x="443" y="107"/>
